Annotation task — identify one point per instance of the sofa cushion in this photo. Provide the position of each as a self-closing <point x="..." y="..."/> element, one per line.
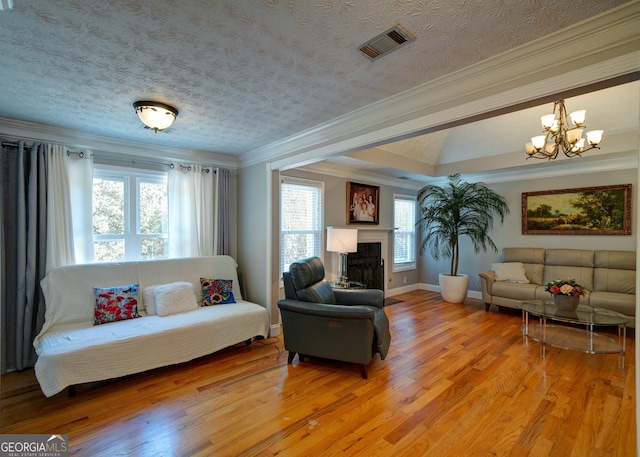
<point x="173" y="298"/>
<point x="115" y="303"/>
<point x="612" y="280"/>
<point x="510" y="272"/>
<point x="615" y="272"/>
<point x="531" y="258"/>
<point x="569" y="263"/>
<point x="620" y="260"/>
<point x="524" y="255"/>
<point x="149" y="299"/>
<point x="514" y="291"/>
<point x="217" y="291"/>
<point x="621" y="303"/>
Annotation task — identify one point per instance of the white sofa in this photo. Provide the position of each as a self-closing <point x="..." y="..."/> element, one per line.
<point x="72" y="350"/>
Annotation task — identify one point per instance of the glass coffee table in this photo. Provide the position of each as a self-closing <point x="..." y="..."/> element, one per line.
<point x="574" y="337"/>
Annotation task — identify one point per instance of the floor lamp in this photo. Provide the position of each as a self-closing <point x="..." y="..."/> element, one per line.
<point x="342" y="241"/>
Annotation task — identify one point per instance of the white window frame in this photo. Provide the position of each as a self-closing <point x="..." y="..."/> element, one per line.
<point x="320" y="231"/>
<point x="409" y="265"/>
<point x="131" y="177"/>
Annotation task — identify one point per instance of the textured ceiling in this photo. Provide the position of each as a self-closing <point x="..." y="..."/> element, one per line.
<point x="243" y="74"/>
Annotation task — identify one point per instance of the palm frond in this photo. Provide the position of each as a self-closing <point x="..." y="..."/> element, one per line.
<point x="458" y="209"/>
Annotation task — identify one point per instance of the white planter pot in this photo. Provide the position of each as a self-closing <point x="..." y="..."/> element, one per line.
<point x="453" y="288"/>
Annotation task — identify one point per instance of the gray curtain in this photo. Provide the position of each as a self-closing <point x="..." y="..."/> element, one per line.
<point x="23" y="235"/>
<point x="223" y="195"/>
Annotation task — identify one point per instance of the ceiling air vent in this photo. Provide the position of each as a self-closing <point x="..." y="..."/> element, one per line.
<point x="386" y="42"/>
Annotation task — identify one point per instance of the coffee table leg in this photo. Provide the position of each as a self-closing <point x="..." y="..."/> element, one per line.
<point x="622" y="342"/>
<point x="543" y="323"/>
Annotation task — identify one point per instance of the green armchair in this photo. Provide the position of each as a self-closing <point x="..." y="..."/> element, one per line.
<point x="345" y="325"/>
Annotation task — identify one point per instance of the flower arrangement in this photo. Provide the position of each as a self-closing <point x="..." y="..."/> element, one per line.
<point x="567" y="287"/>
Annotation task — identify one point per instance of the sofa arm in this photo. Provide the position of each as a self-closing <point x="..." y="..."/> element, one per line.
<point x="325" y="310"/>
<point x="370" y="297"/>
<point x="487" y="278"/>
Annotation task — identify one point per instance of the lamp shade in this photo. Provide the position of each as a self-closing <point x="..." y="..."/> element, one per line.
<point x="342" y="240"/>
<point x="154" y="115"/>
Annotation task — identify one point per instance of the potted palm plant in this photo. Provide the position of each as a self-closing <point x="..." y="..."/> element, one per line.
<point x="449" y="212"/>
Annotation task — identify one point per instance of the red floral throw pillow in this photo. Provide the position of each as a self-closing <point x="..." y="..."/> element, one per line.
<point x="115" y="303"/>
<point x="217" y="291"/>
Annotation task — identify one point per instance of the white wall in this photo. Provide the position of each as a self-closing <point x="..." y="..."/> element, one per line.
<point x="253" y="232"/>
<point x="510" y="234"/>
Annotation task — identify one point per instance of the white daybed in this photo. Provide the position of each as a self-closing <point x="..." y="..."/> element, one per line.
<point x="72" y="350"/>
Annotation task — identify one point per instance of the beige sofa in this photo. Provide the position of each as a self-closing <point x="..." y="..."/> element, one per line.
<point x="609" y="276"/>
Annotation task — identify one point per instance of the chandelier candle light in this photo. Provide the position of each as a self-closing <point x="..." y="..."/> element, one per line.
<point x="560" y="135"/>
<point x="342" y="241"/>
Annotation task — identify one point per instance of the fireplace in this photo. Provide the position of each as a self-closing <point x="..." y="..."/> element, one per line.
<point x="367" y="265"/>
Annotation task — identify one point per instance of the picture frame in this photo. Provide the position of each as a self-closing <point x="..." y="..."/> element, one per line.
<point x="602" y="210"/>
<point x="363" y="203"/>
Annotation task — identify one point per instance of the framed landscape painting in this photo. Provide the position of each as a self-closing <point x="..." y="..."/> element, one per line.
<point x="604" y="210"/>
<point x="362" y="203"/>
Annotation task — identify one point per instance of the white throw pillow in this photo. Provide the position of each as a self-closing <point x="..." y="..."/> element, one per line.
<point x="510" y="272"/>
<point x="173" y="298"/>
<point x="149" y="299"/>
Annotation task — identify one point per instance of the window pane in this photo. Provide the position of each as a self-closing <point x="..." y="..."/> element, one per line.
<point x="108" y="206"/>
<point x="404" y="236"/>
<point x="301" y="207"/>
<point x="301" y="222"/>
<point x="108" y="251"/>
<point x="153" y="208"/>
<point x="298" y="246"/>
<point x="154" y="248"/>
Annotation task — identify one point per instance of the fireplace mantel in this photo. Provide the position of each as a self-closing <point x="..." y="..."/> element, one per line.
<point x="372" y="234"/>
<point x="363" y="227"/>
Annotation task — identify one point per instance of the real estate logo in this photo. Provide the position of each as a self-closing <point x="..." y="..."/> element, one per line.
<point x="34" y="446"/>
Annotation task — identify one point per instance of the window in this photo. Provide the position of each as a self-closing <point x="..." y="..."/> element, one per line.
<point x="300" y="220"/>
<point x="130" y="214"/>
<point x="404" y="238"/>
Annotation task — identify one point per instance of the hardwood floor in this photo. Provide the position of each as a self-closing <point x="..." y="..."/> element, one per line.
<point x="457" y="381"/>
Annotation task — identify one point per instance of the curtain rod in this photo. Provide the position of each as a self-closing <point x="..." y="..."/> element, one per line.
<point x="9" y="143"/>
<point x="134" y="161"/>
<point x="118" y="159"/>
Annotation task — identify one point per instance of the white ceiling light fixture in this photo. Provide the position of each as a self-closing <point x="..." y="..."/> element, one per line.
<point x="560" y="135"/>
<point x="155" y="115"/>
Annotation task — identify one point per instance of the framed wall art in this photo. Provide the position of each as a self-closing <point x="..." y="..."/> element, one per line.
<point x="363" y="203"/>
<point x="604" y="210"/>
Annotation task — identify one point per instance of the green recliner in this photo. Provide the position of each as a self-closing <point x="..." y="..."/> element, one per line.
<point x="346" y="325"/>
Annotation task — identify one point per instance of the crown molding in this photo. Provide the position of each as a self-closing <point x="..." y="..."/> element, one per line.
<point x="594" y="50"/>
<point x="335" y="170"/>
<point x="16" y="129"/>
<point x="627" y="160"/>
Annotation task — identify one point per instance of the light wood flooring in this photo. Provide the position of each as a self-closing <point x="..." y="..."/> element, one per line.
<point x="458" y="381"/>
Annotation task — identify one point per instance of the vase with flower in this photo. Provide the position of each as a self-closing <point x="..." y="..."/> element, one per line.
<point x="566" y="293"/>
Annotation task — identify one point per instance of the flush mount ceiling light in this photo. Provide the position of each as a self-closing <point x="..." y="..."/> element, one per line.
<point x="560" y="135"/>
<point x="155" y="115"/>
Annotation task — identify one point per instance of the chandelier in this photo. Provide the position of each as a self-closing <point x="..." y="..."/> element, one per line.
<point x="560" y="135"/>
<point x="155" y="115"/>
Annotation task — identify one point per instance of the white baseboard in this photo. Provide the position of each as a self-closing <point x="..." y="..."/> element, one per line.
<point x="274" y="330"/>
<point x="436" y="288"/>
<point x="402" y="290"/>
